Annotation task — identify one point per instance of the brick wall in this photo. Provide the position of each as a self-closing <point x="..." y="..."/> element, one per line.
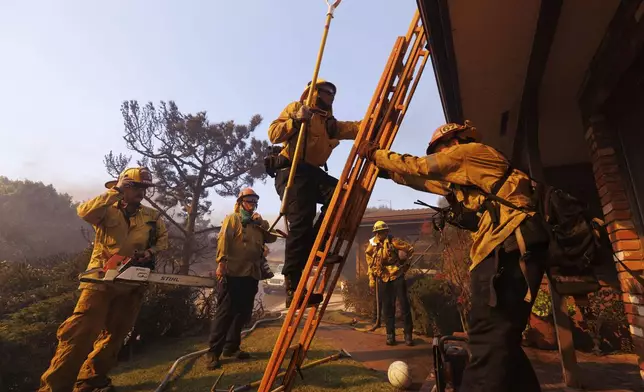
<point x="612" y="186"/>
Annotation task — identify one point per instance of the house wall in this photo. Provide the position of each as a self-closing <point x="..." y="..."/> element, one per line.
<point x="613" y="184"/>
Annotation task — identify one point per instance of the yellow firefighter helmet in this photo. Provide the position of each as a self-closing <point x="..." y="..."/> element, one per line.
<point x="139" y="175"/>
<point x="446" y="131"/>
<point x="319" y="83"/>
<point x="380" y="226"/>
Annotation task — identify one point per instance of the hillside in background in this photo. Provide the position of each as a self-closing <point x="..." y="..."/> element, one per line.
<point x="36" y="222"/>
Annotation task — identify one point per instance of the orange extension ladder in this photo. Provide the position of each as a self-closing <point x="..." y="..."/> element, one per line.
<point x="381" y="122"/>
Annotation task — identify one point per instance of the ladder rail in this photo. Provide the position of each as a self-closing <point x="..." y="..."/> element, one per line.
<point x="391" y="127"/>
<point x="406" y="95"/>
<point x="386" y="109"/>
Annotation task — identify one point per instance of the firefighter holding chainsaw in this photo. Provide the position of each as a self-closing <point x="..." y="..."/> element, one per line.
<point x="508" y="252"/>
<point x="240" y="265"/>
<point x="387" y="262"/>
<point x="311" y="184"/>
<point x="90" y="339"/>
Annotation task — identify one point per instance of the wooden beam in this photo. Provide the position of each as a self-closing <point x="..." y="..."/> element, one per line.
<point x="438" y="27"/>
<point x="527" y="139"/>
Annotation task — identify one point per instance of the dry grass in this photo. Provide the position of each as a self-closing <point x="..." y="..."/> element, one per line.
<point x="146" y="371"/>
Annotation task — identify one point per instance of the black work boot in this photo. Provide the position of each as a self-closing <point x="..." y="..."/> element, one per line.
<point x="212" y="361"/>
<point x="291" y="286"/>
<point x="409" y="339"/>
<point x="391" y="339"/>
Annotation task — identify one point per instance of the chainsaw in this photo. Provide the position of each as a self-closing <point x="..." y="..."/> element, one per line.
<point x="132" y="270"/>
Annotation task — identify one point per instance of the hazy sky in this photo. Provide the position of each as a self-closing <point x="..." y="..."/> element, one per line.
<point x="67" y="66"/>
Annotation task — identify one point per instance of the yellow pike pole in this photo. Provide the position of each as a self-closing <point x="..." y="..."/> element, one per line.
<point x="300" y="137"/>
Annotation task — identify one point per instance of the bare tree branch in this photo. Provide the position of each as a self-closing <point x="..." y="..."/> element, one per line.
<point x="189" y="156"/>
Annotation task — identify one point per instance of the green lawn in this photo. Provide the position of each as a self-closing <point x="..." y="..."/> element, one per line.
<point x="146" y="371"/>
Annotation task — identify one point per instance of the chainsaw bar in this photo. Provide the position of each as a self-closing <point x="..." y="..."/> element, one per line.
<point x="141" y="275"/>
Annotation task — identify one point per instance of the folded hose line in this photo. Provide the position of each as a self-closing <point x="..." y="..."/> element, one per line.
<point x="195" y="354"/>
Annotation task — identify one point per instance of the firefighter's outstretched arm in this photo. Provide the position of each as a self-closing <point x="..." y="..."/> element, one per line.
<point x="420" y="184"/>
<point x="348" y="130"/>
<point x="93" y="211"/>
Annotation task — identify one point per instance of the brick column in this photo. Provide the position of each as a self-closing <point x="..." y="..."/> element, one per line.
<point x="627" y="244"/>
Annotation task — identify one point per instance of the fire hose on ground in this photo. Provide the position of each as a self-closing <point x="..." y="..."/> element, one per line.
<point x="199" y="353"/>
<point x="242" y="388"/>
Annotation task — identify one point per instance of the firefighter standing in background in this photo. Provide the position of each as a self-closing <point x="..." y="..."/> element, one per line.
<point x="386" y="257"/>
<point x="508" y="250"/>
<point x="311" y="184"/>
<point x="105" y="313"/>
<point x="240" y="257"/>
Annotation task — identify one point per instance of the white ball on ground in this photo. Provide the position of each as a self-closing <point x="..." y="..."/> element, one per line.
<point x="399" y="375"/>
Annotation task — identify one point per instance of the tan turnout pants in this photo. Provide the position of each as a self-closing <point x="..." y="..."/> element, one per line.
<point x="90" y="339"/>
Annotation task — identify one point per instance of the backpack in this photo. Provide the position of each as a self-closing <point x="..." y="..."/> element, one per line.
<point x="576" y="238"/>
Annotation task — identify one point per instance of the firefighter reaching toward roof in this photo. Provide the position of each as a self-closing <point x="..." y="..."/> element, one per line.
<point x="387" y="262"/>
<point x="508" y="251"/>
<point x="311" y="184"/>
<point x="90" y="339"/>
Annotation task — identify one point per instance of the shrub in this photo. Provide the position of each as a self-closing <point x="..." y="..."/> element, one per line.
<point x="434" y="307"/>
<point x="606" y="322"/>
<point x="38" y="298"/>
<point x="28" y="340"/>
<point x="358" y="297"/>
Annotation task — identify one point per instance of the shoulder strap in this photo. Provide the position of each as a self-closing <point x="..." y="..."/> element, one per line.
<point x="497" y="186"/>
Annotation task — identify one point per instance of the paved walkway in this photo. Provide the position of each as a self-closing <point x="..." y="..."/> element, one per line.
<point x="370" y="349"/>
<point x="609" y="373"/>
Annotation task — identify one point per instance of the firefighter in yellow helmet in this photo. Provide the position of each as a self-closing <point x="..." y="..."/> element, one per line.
<point x="90" y="339"/>
<point x="311" y="185"/>
<point x="387" y="261"/>
<point x="508" y="251"/>
<point x="240" y="259"/>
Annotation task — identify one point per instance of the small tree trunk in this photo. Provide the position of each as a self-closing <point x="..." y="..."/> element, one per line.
<point x="186" y="255"/>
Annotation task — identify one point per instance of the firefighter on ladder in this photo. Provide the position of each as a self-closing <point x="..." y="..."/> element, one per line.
<point x="104" y="314"/>
<point x="311" y="184"/>
<point x="386" y="261"/>
<point x="508" y="250"/>
<point x="241" y="265"/>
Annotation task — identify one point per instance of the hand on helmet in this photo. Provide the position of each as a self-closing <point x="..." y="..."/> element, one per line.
<point x="367" y="148"/>
<point x="304" y="113"/>
<point x="124" y="182"/>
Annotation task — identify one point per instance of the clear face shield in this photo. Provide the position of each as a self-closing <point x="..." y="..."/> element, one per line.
<point x="250" y="204"/>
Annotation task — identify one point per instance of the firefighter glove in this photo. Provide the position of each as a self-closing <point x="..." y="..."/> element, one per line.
<point x="384" y="174"/>
<point x="303" y="114"/>
<point x="367" y="148"/>
<point x="124" y="182"/>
